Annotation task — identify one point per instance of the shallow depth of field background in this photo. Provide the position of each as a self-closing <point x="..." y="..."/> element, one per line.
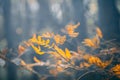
<point x="19" y="19"/>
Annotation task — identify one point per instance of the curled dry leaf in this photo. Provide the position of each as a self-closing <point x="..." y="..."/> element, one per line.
<point x="94" y="42"/>
<point x="84" y="64"/>
<point x="66" y="54"/>
<point x="116" y="70"/>
<point x="22" y="63"/>
<point x="99" y="32"/>
<point x="21" y="49"/>
<point x="59" y="39"/>
<point x="70" y="30"/>
<point x="36" y="59"/>
<point x="97" y="61"/>
<point x="48" y="35"/>
<point x="37" y="50"/>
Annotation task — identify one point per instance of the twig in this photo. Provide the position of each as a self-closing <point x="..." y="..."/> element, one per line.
<point x="23" y="67"/>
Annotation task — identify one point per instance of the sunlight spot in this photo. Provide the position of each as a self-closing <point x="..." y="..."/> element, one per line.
<point x="56" y="11"/>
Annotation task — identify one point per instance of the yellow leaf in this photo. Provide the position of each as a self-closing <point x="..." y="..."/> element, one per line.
<point x="60" y="51"/>
<point x="68" y="55"/>
<point x="59" y="39"/>
<point x="36" y="60"/>
<point x="33" y="39"/>
<point x="48" y="35"/>
<point x="37" y="50"/>
<point x="47" y="41"/>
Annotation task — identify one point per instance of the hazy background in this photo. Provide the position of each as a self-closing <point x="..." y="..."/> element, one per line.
<point x="19" y="19"/>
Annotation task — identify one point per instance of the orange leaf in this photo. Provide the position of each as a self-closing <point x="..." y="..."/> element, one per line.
<point x="99" y="32"/>
<point x="59" y="39"/>
<point x="88" y="42"/>
<point x="21" y="49"/>
<point x="48" y="35"/>
<point x="70" y="30"/>
<point x="22" y="62"/>
<point x="36" y="60"/>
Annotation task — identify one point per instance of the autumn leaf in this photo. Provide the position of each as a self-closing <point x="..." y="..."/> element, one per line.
<point x="70" y="30"/>
<point x="88" y="42"/>
<point x="75" y="34"/>
<point x="116" y="70"/>
<point x="68" y="55"/>
<point x="59" y="39"/>
<point x="84" y="64"/>
<point x="21" y="49"/>
<point x="60" y="51"/>
<point x="47" y="43"/>
<point x="36" y="60"/>
<point x="37" y="50"/>
<point x="48" y="35"/>
<point x="97" y="61"/>
<point x="99" y="32"/>
<point x="93" y="43"/>
<point x="33" y="39"/>
<point x="23" y="62"/>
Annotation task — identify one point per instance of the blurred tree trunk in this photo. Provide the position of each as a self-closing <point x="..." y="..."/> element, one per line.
<point x="79" y="17"/>
<point x="11" y="70"/>
<point x="109" y="19"/>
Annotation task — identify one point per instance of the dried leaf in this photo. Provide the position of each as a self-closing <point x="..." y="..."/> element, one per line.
<point x="21" y="49"/>
<point x="37" y="50"/>
<point x="23" y="62"/>
<point x="84" y="64"/>
<point x="99" y="32"/>
<point x="88" y="42"/>
<point x="96" y="61"/>
<point x="36" y="60"/>
<point x="94" y="42"/>
<point x="59" y="39"/>
<point x="68" y="54"/>
<point x="70" y="30"/>
<point x="116" y="70"/>
<point x="60" y="51"/>
<point x="48" y="35"/>
<point x="33" y="39"/>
